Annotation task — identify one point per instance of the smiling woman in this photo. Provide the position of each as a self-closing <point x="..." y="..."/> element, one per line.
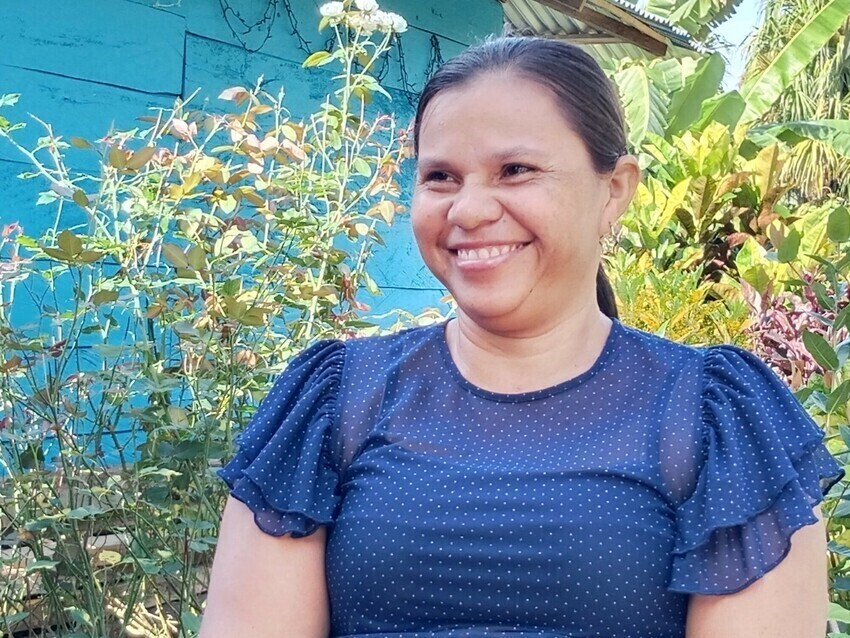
<point x="532" y="467"/>
<point x="510" y="223"/>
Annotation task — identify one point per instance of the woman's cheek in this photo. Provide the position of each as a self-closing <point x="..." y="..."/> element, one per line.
<point x="425" y="217"/>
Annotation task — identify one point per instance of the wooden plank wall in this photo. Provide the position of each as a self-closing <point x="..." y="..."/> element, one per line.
<point x="90" y="65"/>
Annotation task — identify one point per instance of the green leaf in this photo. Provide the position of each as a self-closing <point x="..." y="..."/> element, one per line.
<point x="725" y="109"/>
<point x="42" y="565"/>
<point x="360" y="167"/>
<point x="761" y="91"/>
<point x="82" y="513"/>
<point x="670" y="74"/>
<point x="838" y="397"/>
<point x="751" y="265"/>
<point x="832" y="133"/>
<point x="841" y="583"/>
<point x="89" y="256"/>
<point x="174" y="254"/>
<point x="27" y="242"/>
<point x="9" y="99"/>
<point x="362" y="93"/>
<point x="80" y="198"/>
<point x="117" y="158"/>
<point x="837" y="612"/>
<point x="838" y="548"/>
<point x="57" y="253"/>
<point x="81" y="616"/>
<point x="841" y="320"/>
<point x="70" y="243"/>
<point x="197" y="258"/>
<point x="790" y="247"/>
<point x="12" y="619"/>
<point x="644" y="105"/>
<point x="189" y="622"/>
<point x="187" y="450"/>
<point x="178" y="416"/>
<point x="825" y="299"/>
<point x="104" y="296"/>
<point x="317" y="59"/>
<point x="686" y="105"/>
<point x="820" y="349"/>
<point x="140" y="158"/>
<point x="838" y="225"/>
<point x="80" y="142"/>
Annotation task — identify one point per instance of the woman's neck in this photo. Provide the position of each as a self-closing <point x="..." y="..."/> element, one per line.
<point x="534" y="360"/>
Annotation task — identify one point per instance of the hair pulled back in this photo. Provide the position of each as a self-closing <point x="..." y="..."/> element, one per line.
<point x="586" y="98"/>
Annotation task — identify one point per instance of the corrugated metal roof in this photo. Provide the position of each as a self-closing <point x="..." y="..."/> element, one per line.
<point x="676" y="34"/>
<point x="530" y="17"/>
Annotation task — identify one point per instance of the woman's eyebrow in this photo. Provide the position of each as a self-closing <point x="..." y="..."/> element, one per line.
<point x="431" y="163"/>
<point x="503" y="155"/>
<point x="513" y="152"/>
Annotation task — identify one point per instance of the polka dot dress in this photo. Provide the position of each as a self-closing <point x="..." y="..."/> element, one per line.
<point x="590" y="509"/>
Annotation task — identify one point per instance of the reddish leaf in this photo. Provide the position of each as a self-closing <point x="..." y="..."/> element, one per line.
<point x="235" y="93"/>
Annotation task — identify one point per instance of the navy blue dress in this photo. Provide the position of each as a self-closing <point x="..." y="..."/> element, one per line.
<point x="590" y="509"/>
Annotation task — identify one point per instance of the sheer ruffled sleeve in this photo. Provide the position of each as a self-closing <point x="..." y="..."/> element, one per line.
<point x="284" y="470"/>
<point x="764" y="469"/>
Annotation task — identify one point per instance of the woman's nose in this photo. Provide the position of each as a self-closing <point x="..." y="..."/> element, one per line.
<point x="473" y="205"/>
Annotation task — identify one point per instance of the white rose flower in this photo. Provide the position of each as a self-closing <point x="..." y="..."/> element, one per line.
<point x="399" y="24"/>
<point x="383" y="20"/>
<point x="366" y="6"/>
<point x="364" y="22"/>
<point x="332" y="10"/>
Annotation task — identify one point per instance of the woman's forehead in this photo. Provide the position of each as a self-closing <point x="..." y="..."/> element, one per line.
<point x="494" y="90"/>
<point x="508" y="112"/>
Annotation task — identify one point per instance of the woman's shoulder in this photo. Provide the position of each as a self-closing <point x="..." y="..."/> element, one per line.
<point x="392" y="344"/>
<point x="658" y="355"/>
<point x="656" y="349"/>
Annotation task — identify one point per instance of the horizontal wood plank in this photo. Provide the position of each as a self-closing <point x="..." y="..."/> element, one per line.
<point x="108" y="41"/>
<point x="73" y="108"/>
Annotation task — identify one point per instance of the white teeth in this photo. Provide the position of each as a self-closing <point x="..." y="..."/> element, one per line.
<point x="474" y="254"/>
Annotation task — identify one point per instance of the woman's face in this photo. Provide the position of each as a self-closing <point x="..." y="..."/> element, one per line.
<point x="508" y="209"/>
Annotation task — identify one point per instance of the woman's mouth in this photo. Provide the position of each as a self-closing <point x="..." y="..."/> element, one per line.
<point x="486" y="256"/>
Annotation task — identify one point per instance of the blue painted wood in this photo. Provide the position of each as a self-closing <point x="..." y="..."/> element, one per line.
<point x="465" y="22"/>
<point x="205" y="19"/>
<point x="72" y="107"/>
<point x="417" y="64"/>
<point x="18" y="202"/>
<point x="92" y="65"/>
<point x="212" y="66"/>
<point x="385" y="308"/>
<point x="109" y="41"/>
<point x="214" y="59"/>
<point x="462" y="22"/>
<point x="207" y="57"/>
<point x="398" y="264"/>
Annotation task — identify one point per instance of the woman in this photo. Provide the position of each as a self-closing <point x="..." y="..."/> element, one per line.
<point x="533" y="467"/>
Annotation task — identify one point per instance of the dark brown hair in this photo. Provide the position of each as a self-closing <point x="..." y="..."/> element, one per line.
<point x="586" y="98"/>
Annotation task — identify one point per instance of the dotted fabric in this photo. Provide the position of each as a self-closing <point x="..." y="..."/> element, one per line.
<point x="587" y="510"/>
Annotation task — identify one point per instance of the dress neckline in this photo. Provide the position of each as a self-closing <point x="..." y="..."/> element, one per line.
<point x="602" y="360"/>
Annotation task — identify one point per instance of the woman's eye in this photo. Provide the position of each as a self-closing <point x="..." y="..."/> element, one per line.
<point x="436" y="176"/>
<point x="512" y="170"/>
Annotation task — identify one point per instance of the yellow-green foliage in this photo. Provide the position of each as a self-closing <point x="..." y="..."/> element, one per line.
<point x="675" y="304"/>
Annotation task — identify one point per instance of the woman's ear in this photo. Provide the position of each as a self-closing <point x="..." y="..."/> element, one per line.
<point x="622" y="183"/>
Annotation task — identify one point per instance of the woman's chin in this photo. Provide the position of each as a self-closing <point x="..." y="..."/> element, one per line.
<point x="488" y="308"/>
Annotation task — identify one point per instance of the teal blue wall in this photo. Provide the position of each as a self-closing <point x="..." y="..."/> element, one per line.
<point x="86" y="66"/>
